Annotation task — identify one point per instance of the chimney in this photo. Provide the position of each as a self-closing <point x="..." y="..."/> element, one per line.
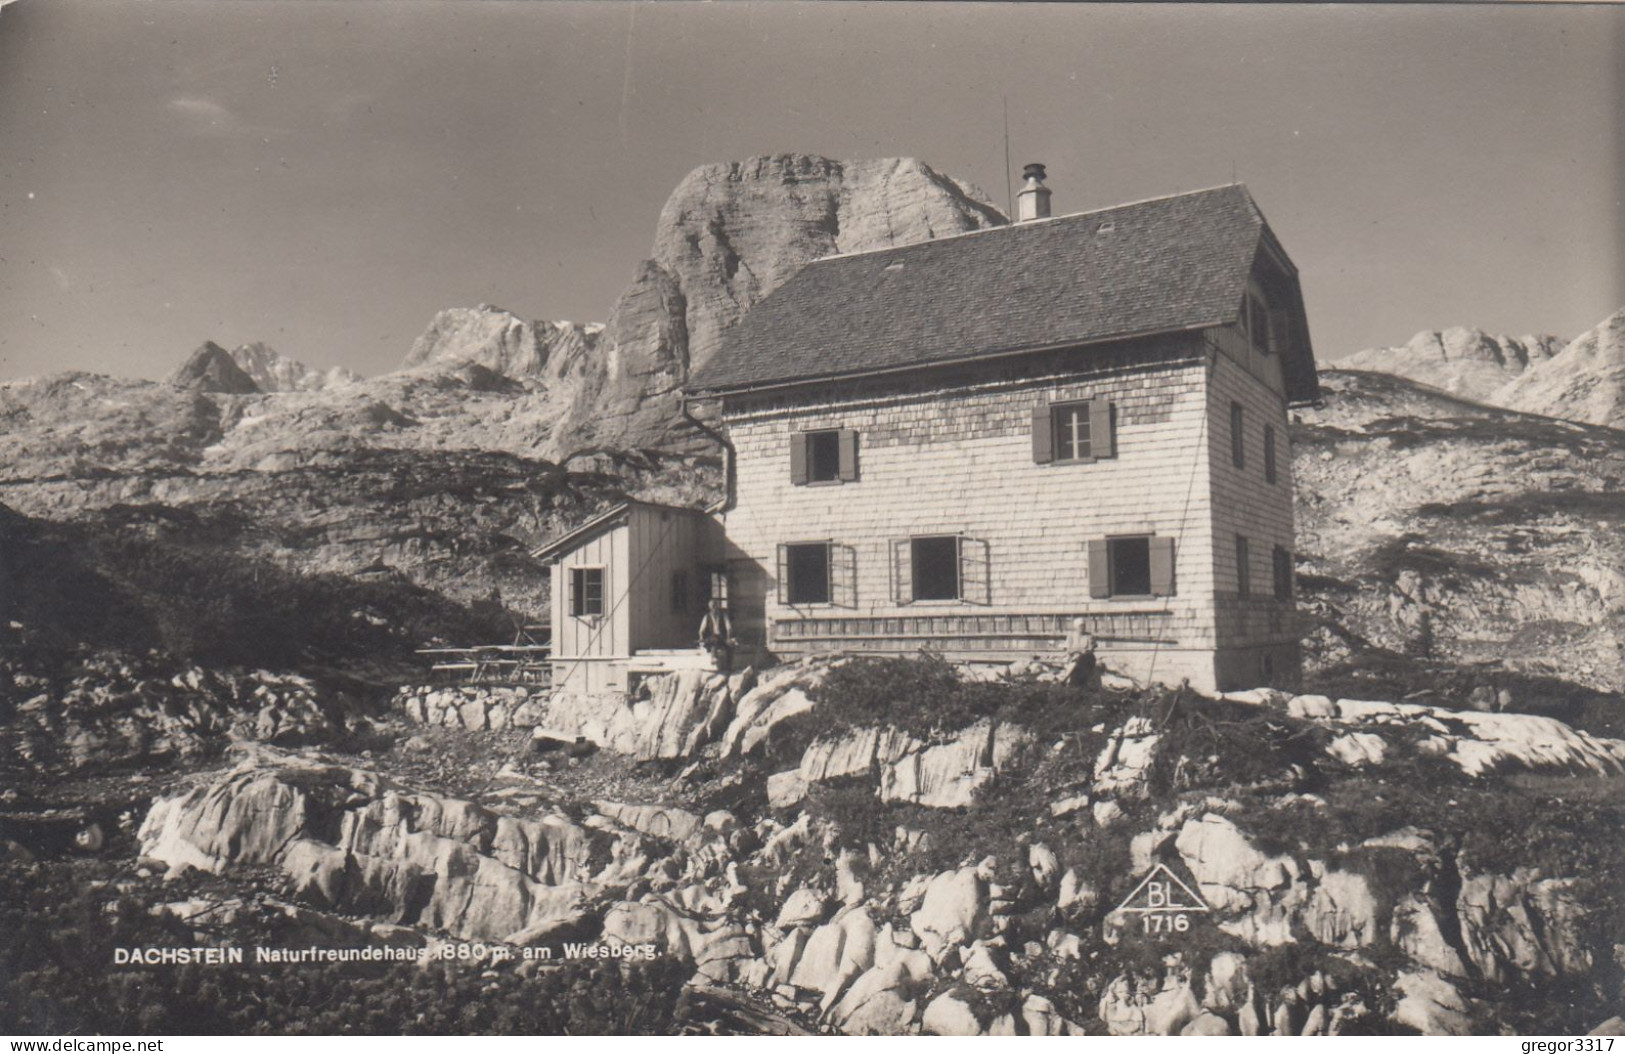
<point x="1032" y="200"/>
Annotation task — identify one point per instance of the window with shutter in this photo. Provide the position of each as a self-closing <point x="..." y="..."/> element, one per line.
<point x="935" y="567"/>
<point x="804" y="573"/>
<point x="975" y="572"/>
<point x="1074" y="432"/>
<point x="1043" y="436"/>
<point x="798" y="459"/>
<point x="1130" y="566"/>
<point x="902" y="571"/>
<point x="847" y="441"/>
<point x="843" y="576"/>
<point x="1269" y="453"/>
<point x="1100" y="575"/>
<point x="1162" y="567"/>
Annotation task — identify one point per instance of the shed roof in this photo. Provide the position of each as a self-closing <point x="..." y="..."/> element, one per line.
<point x="607" y="520"/>
<point x="1164" y="265"/>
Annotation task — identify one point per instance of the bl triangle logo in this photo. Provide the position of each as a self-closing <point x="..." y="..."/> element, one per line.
<point x="1161" y="890"/>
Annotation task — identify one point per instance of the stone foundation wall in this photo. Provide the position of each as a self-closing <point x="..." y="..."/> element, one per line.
<point x="475" y="707"/>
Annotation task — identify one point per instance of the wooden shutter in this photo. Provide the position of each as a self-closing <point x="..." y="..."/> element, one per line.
<point x="1102" y="430"/>
<point x="1043" y="436"/>
<point x="572" y="579"/>
<point x="843" y="576"/>
<point x="1162" y="567"/>
<point x="848" y="442"/>
<point x="975" y="572"/>
<point x="781" y="580"/>
<point x="902" y="571"/>
<point x="1100" y="581"/>
<point x="798" y="459"/>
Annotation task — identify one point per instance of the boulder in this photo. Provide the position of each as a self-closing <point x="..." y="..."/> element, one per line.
<point x="953" y="912"/>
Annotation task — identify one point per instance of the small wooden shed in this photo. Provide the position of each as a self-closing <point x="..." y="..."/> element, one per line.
<point x="633" y="581"/>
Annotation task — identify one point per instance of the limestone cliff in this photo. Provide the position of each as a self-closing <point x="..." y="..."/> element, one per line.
<point x="729" y="235"/>
<point x="503" y="342"/>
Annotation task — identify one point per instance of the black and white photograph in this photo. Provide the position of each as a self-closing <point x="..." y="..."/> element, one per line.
<point x="537" y="518"/>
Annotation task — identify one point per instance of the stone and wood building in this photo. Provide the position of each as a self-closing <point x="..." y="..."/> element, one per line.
<point x="970" y="444"/>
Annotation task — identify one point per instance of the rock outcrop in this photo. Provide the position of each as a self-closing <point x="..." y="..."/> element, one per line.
<point x="728" y="235"/>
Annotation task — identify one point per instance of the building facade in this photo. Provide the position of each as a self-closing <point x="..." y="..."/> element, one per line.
<point x="974" y="444"/>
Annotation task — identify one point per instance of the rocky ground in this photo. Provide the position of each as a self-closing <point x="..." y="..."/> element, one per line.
<point x="800" y="858"/>
<point x="1434" y="532"/>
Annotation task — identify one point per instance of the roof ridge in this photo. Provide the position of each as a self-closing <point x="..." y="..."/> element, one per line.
<point x="1006" y="226"/>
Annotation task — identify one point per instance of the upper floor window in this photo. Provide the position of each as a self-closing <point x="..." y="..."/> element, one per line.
<point x="828" y="455"/>
<point x="586" y="591"/>
<point x="1073" y="431"/>
<point x="1238" y="442"/>
<point x="1269" y="453"/>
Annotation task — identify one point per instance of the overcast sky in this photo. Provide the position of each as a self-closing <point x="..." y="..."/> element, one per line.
<point x="324" y="176"/>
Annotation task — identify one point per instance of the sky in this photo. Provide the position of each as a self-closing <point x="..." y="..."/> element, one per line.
<point x="324" y="175"/>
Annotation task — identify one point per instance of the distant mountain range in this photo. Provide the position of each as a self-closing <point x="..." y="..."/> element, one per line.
<point x="1582" y="380"/>
<point x="253" y="369"/>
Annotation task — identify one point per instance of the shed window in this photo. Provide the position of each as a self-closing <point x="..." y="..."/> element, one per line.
<point x="804" y="573"/>
<point x="1244" y="571"/>
<point x="1073" y="431"/>
<point x="1238" y="442"/>
<point x="586" y="591"/>
<point x="1283" y="573"/>
<point x="827" y="455"/>
<point x="1131" y="566"/>
<point x="1269" y="453"/>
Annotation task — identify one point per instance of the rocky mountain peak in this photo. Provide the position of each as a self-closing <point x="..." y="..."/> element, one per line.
<point x="730" y="234"/>
<point x="503" y="342"/>
<point x="1584" y="382"/>
<point x="212" y="369"/>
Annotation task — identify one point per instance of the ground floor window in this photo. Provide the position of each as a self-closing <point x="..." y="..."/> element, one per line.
<point x="805" y="573"/>
<point x="1140" y="565"/>
<point x="1244" y="570"/>
<point x="1130" y="566"/>
<point x="935" y="567"/>
<point x="586" y="591"/>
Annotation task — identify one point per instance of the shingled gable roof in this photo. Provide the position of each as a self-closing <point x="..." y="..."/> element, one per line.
<point x="1165" y="265"/>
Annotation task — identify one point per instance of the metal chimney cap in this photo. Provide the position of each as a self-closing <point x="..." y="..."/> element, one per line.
<point x="1033" y="171"/>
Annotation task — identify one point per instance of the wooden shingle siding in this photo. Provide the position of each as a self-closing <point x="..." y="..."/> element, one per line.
<point x="1245" y="504"/>
<point x="956" y="457"/>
